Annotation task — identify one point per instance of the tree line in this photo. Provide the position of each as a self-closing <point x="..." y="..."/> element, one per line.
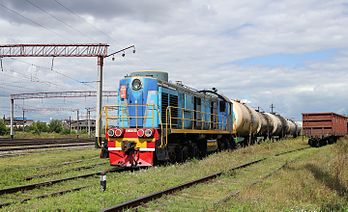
<point x="38" y="127"/>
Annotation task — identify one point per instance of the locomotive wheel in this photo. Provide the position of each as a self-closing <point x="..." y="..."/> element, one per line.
<point x="331" y="140"/>
<point x="316" y="143"/>
<point x="194" y="151"/>
<point x="185" y="153"/>
<point x="323" y="142"/>
<point x="222" y="144"/>
<point x="182" y="154"/>
<point x="310" y="142"/>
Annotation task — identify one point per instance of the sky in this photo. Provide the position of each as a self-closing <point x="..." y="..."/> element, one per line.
<point x="290" y="53"/>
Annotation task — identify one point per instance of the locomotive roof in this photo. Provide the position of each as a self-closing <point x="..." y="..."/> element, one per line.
<point x="185" y="88"/>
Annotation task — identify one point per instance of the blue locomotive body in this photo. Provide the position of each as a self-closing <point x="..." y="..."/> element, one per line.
<point x="185" y="122"/>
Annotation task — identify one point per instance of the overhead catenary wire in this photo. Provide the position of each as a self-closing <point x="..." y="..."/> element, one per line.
<point x="31" y="21"/>
<point x="35" y="79"/>
<point x="59" y="20"/>
<point x="56" y="71"/>
<point x="77" y="15"/>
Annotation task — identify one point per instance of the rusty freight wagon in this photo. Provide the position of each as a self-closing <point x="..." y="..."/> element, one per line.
<point x="323" y="128"/>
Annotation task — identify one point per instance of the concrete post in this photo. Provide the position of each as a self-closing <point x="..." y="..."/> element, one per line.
<point x="11" y="118"/>
<point x="89" y="122"/>
<point x="23" y="120"/>
<point x="78" y="122"/>
<point x="98" y="124"/>
<point x="69" y="124"/>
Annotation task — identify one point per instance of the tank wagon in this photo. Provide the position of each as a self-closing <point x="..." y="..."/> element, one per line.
<point x="252" y="125"/>
<point x="323" y="128"/>
<point x="156" y="120"/>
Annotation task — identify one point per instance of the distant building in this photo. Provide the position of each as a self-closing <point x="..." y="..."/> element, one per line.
<point x="18" y="122"/>
<point x="82" y="124"/>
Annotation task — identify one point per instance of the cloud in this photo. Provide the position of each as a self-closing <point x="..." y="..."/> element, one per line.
<point x="288" y="60"/>
<point x="296" y="51"/>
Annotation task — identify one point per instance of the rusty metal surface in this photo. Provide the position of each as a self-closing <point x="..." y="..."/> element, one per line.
<point x="54" y="50"/>
<point x="324" y="124"/>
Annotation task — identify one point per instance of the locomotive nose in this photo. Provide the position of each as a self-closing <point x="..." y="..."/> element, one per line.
<point x="128" y="147"/>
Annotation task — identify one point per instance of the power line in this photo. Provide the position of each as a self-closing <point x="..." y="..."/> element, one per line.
<point x="30" y="20"/>
<point x="77" y="15"/>
<point x="15" y="86"/>
<point x="48" y="68"/>
<point x="35" y="79"/>
<point x="59" y="20"/>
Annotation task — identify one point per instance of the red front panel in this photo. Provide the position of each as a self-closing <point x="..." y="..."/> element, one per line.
<point x="143" y="154"/>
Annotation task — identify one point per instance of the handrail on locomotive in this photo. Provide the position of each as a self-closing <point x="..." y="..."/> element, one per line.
<point x="197" y="118"/>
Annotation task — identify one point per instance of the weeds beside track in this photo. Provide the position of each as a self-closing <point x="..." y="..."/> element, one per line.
<point x="156" y="195"/>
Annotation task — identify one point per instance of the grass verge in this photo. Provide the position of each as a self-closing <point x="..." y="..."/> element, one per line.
<point x="125" y="186"/>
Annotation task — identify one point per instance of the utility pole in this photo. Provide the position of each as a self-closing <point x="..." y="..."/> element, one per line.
<point x="78" y="122"/>
<point x="98" y="124"/>
<point x="272" y="107"/>
<point x="89" y="121"/>
<point x="23" y="119"/>
<point x="69" y="124"/>
<point x="11" y="118"/>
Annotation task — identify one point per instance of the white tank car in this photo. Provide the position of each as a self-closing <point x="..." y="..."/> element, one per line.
<point x="284" y="126"/>
<point x="265" y="125"/>
<point x="299" y="128"/>
<point x="276" y="124"/>
<point x="246" y="120"/>
<point x="292" y="128"/>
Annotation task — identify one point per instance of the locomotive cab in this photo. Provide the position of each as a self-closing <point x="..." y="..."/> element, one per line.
<point x="132" y="137"/>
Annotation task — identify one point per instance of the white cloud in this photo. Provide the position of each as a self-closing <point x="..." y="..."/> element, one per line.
<point x="195" y="41"/>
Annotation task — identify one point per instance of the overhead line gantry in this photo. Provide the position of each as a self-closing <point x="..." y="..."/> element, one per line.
<point x="100" y="51"/>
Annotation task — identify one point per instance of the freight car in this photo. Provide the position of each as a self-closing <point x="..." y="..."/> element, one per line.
<point x="323" y="128"/>
<point x="252" y="125"/>
<point x="157" y="120"/>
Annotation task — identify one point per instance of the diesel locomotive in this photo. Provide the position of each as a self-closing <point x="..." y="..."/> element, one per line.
<point x="156" y="120"/>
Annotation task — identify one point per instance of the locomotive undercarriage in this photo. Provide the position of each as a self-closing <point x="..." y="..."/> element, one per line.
<point x="181" y="147"/>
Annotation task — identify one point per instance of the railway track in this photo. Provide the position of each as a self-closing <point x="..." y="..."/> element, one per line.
<point x="27" y="142"/>
<point x="43" y="146"/>
<point x="15" y="151"/>
<point x="30" y="187"/>
<point x="144" y="199"/>
<point x="235" y="193"/>
<point x="85" y="167"/>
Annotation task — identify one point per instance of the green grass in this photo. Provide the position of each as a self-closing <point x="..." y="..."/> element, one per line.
<point x="317" y="180"/>
<point x="13" y="170"/>
<point x="129" y="185"/>
<point x="307" y="185"/>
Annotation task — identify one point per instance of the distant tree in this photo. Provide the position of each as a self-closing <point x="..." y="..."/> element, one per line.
<point x="39" y="127"/>
<point x="3" y="129"/>
<point x="65" y="131"/>
<point x="55" y="126"/>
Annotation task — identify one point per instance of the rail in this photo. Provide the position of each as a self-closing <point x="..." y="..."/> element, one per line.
<point x="128" y="205"/>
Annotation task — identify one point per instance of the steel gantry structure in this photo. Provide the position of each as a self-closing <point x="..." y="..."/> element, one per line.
<point x="100" y="51"/>
<point x="63" y="94"/>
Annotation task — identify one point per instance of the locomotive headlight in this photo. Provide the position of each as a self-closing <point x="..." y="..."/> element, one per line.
<point x="148" y="133"/>
<point x="111" y="133"/>
<point x="136" y="84"/>
<point x="118" y="132"/>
